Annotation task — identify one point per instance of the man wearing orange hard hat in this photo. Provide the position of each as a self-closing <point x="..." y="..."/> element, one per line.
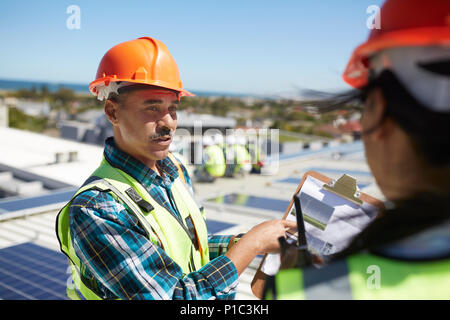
<point x="402" y="76"/>
<point x="134" y="230"/>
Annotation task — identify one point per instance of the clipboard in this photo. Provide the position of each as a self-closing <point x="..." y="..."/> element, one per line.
<point x="345" y="187"/>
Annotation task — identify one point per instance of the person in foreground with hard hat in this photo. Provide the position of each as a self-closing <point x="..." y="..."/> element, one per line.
<point x="133" y="230"/>
<point x="402" y="73"/>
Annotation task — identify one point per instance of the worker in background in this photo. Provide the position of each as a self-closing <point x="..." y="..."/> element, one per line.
<point x="256" y="155"/>
<point x="218" y="139"/>
<point x="243" y="157"/>
<point x="133" y="230"/>
<point x="213" y="162"/>
<point x="402" y="73"/>
<point x="238" y="158"/>
<point x="230" y="157"/>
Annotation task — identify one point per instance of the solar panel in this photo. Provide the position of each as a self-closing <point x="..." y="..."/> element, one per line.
<point x="239" y="199"/>
<point x="346" y="148"/>
<point x="29" y="272"/>
<point x="32" y="202"/>
<point x="217" y="226"/>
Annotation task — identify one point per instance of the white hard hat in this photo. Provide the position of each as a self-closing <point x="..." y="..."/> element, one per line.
<point x="218" y="138"/>
<point x="231" y="139"/>
<point x="241" y="140"/>
<point x="207" y="141"/>
<point x="408" y="63"/>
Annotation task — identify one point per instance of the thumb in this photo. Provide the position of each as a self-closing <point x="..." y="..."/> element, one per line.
<point x="289" y="224"/>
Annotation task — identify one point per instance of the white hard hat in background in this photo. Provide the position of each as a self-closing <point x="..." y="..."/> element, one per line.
<point x="208" y="141"/>
<point x="241" y="140"/>
<point x="231" y="139"/>
<point x="218" y="139"/>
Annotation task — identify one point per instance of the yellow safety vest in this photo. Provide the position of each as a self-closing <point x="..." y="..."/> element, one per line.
<point x="364" y="277"/>
<point x="184" y="240"/>
<point x="215" y="165"/>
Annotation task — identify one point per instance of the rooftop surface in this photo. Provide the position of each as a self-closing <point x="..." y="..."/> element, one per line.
<point x="31" y="266"/>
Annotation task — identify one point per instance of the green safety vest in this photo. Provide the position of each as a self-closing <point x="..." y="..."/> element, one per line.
<point x="185" y="241"/>
<point x="215" y="165"/>
<point x="365" y="277"/>
<point x="241" y="156"/>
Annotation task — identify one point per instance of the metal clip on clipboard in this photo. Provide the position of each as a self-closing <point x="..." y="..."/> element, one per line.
<point x="345" y="187"/>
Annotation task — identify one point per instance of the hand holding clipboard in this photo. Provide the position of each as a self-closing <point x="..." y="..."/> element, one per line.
<point x="329" y="213"/>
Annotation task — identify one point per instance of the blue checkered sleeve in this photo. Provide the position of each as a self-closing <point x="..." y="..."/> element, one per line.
<point x="218" y="245"/>
<point x="121" y="262"/>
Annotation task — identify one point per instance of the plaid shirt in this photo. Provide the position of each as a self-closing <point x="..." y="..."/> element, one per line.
<point x="119" y="261"/>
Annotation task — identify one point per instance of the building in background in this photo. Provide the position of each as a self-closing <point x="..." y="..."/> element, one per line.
<point x="4" y="114"/>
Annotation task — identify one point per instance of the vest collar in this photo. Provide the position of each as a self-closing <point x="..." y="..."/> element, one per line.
<point x="424" y="222"/>
<point x="430" y="244"/>
<point x="138" y="170"/>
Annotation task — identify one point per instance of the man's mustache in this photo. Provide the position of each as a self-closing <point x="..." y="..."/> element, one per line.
<point x="163" y="133"/>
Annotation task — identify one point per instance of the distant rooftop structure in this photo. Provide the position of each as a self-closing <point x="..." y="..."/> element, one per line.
<point x="89" y="116"/>
<point x="20" y="183"/>
<point x="62" y="160"/>
<point x="33" y="108"/>
<point x="87" y="132"/>
<point x="93" y="127"/>
<point x="190" y="120"/>
<point x="4" y="117"/>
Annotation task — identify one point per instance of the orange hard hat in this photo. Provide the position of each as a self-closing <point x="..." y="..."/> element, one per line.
<point x="403" y="23"/>
<point x="142" y="61"/>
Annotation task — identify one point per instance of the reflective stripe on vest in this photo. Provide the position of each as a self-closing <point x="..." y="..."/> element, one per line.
<point x="367" y="276"/>
<point x="159" y="224"/>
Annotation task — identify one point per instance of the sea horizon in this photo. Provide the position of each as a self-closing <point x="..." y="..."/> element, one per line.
<point x="13" y="84"/>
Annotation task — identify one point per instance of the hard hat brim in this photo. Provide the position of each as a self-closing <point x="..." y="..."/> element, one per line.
<point x="356" y="73"/>
<point x="106" y="80"/>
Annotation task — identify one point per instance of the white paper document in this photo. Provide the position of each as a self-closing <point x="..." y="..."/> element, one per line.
<point x="331" y="222"/>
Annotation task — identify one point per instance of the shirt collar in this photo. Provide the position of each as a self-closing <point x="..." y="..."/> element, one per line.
<point x="138" y="170"/>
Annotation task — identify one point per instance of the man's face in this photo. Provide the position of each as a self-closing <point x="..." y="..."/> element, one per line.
<point x="146" y="121"/>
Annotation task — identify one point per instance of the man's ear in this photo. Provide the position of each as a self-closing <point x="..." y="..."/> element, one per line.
<point x="111" y="110"/>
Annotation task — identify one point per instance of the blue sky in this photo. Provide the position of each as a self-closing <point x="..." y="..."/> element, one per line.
<point x="262" y="47"/>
